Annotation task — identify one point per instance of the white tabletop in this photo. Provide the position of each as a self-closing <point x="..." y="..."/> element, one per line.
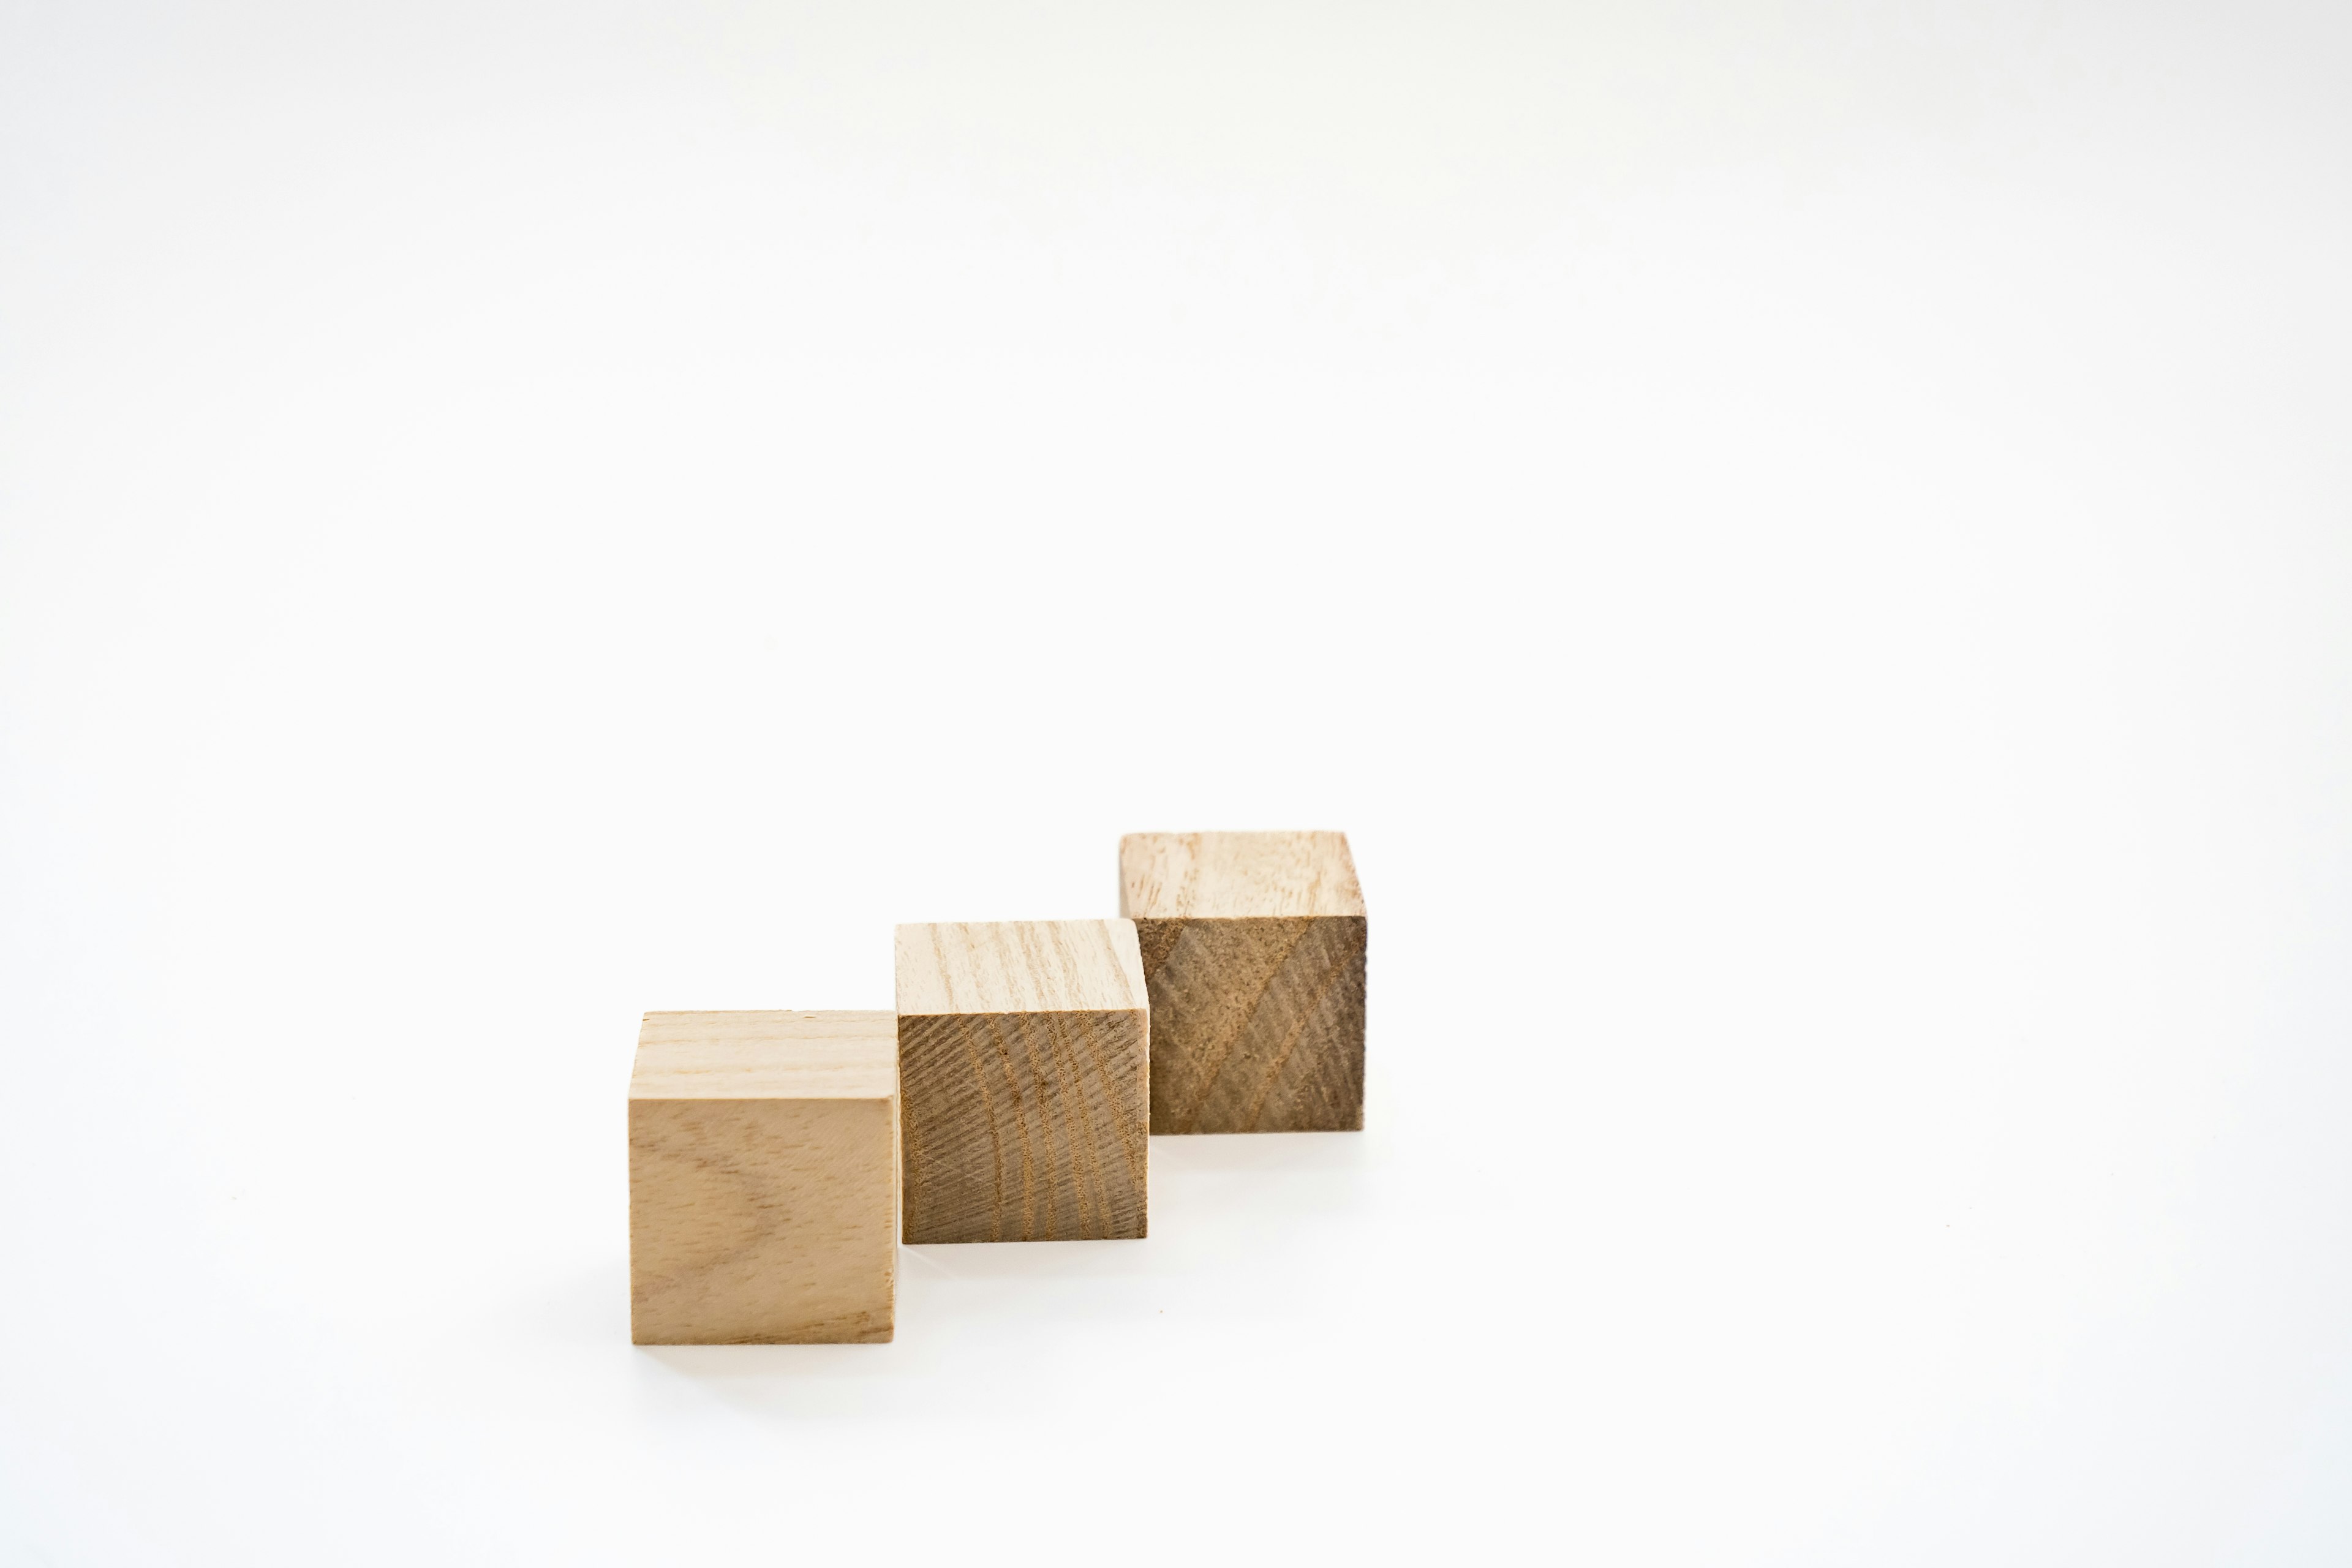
<point x="1807" y="550"/>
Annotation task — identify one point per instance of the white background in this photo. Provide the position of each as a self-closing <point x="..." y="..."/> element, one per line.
<point x="1807" y="545"/>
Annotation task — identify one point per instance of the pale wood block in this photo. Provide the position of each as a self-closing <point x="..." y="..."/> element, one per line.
<point x="1254" y="947"/>
<point x="1024" y="1064"/>
<point x="763" y="1179"/>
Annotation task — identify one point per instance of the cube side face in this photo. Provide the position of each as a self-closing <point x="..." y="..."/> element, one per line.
<point x="764" y="1221"/>
<point x="1026" y="1126"/>
<point x="1257" y="1026"/>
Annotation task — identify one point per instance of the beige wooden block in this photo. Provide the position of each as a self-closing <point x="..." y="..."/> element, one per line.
<point x="1253" y="949"/>
<point x="1024" y="1061"/>
<point x="763" y="1179"/>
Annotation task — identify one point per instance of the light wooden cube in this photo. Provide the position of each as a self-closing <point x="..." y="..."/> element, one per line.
<point x="1253" y="950"/>
<point x="763" y="1179"/>
<point x="1024" y="1060"/>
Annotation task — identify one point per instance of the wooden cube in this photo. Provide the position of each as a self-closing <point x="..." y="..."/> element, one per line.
<point x="1024" y="1060"/>
<point x="1253" y="954"/>
<point x="763" y="1179"/>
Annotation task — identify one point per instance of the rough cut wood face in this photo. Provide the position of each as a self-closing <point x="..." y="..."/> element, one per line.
<point x="1023" y="1060"/>
<point x="763" y="1178"/>
<point x="1253" y="950"/>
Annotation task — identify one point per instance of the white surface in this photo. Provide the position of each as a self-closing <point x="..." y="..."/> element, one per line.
<point x="1808" y="547"/>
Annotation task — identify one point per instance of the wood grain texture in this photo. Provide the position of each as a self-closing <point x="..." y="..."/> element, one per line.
<point x="763" y="1179"/>
<point x="1018" y="966"/>
<point x="1254" y="948"/>
<point x="1237" y="876"/>
<point x="1023" y="1062"/>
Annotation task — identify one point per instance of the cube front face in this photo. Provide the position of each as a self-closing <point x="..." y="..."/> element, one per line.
<point x="1257" y="1026"/>
<point x="1026" y="1127"/>
<point x="763" y="1179"/>
<point x="1030" y="1122"/>
<point x="1253" y="949"/>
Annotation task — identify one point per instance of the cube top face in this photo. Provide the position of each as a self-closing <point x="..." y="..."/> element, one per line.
<point x="1020" y="966"/>
<point x="1237" y="876"/>
<point x="766" y="1055"/>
